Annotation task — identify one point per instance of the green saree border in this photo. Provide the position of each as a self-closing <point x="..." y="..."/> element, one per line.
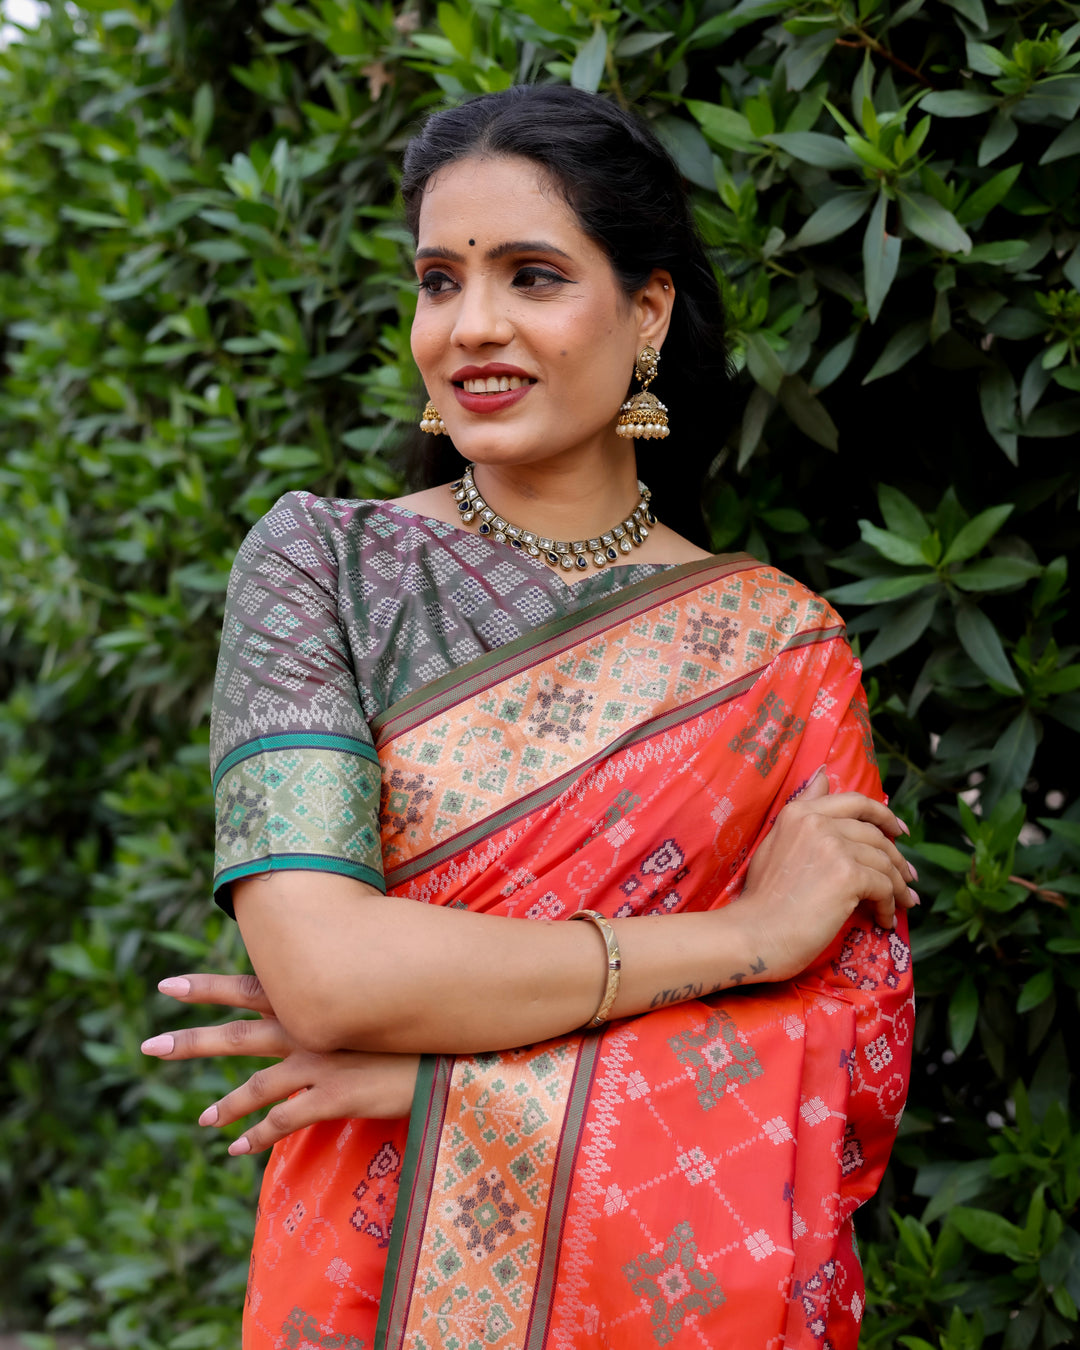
<point x="293" y="740"/>
<point x="548" y="640"/>
<point x="421" y="1152"/>
<point x="422" y="1145"/>
<point x="523" y="806"/>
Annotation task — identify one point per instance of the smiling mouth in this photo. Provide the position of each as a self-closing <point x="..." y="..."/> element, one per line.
<point x="494" y="384"/>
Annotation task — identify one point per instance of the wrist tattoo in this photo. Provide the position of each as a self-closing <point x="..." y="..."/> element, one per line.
<point x="679" y="995"/>
<point x="687" y="991"/>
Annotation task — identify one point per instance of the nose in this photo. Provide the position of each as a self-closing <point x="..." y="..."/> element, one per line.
<point x="481" y="318"/>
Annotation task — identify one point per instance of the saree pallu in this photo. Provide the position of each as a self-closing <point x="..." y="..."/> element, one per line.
<point x="686" y="1177"/>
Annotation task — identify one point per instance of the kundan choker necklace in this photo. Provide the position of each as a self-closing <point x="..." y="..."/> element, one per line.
<point x="604" y="549"/>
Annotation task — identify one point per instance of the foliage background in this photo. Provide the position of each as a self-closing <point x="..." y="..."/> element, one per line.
<point x="204" y="301"/>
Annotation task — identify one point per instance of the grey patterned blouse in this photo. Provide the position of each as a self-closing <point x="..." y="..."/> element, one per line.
<point x="335" y="611"/>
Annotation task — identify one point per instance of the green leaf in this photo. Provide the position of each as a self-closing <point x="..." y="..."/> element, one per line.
<point x="833" y="364"/>
<point x="1035" y="991"/>
<point x="984" y="199"/>
<point x="973" y="11"/>
<point x="764" y="364"/>
<point x="220" y="250"/>
<point x="807" y="412"/>
<point x="995" y="574"/>
<point x="838" y="214"/>
<point x="904" y="344"/>
<point x="811" y="147"/>
<point x="944" y="855"/>
<point x="689" y="149"/>
<point x="1003" y="131"/>
<point x="996" y="252"/>
<point x="881" y="258"/>
<point x="1010" y="763"/>
<point x="977" y="533"/>
<point x="289" y="457"/>
<point x="202" y="115"/>
<point x="878" y="590"/>
<point x="895" y="547"/>
<point x="901" y="515"/>
<point x="979" y="638"/>
<point x="989" y="1232"/>
<point x="330" y="363"/>
<point x="1064" y="145"/>
<point x="723" y="126"/>
<point x="588" y="68"/>
<point x="932" y="223"/>
<point x="457" y="28"/>
<point x="636" y="44"/>
<point x="1059" y="419"/>
<point x="963" y="1014"/>
<point x="957" y="103"/>
<point x="903" y="630"/>
<point x="785" y="520"/>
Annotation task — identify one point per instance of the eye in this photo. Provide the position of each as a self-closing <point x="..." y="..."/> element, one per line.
<point x="436" y="283"/>
<point x="537" y="278"/>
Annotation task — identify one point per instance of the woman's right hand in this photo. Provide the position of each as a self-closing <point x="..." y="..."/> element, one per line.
<point x="306" y="1086"/>
<point x="825" y="855"/>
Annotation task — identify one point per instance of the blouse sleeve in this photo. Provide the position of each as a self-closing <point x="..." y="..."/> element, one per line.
<point x="295" y="774"/>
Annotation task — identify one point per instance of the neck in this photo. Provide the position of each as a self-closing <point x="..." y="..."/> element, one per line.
<point x="575" y="499"/>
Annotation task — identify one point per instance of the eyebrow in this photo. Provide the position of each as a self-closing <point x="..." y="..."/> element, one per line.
<point x="499" y="251"/>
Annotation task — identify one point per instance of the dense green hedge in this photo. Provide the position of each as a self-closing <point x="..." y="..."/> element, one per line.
<point x="204" y="301"/>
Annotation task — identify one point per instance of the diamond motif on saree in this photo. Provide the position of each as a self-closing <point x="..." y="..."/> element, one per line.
<point x="674" y="1283"/>
<point x="716" y="1056"/>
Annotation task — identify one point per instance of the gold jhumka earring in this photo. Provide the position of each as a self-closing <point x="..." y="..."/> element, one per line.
<point x="643" y="415"/>
<point x="431" y="422"/>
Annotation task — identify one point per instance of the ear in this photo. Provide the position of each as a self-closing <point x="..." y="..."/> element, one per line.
<point x="655" y="301"/>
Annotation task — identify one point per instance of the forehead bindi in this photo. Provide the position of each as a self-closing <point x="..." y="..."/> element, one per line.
<point x="480" y="203"/>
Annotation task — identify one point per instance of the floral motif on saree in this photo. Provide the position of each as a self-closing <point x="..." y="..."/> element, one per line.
<point x="684" y="1178"/>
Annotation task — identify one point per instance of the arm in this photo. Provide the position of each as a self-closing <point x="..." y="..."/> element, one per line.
<point x="448" y="981"/>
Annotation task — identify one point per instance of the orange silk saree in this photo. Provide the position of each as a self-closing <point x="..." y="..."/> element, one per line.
<point x="683" y="1178"/>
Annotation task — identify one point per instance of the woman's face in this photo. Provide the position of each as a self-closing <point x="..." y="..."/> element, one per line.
<point x="524" y="338"/>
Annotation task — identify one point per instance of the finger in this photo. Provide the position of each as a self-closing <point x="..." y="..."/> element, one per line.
<point x="870" y="856"/>
<point x="858" y="831"/>
<point x="262" y="1089"/>
<point x="262" y="1037"/>
<point x="879" y="893"/>
<point x="818" y="786"/>
<point x="307" y="1108"/>
<point x="230" y="991"/>
<point x="857" y="806"/>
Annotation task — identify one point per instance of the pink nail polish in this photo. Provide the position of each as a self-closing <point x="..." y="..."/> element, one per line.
<point x="158" y="1045"/>
<point x="209" y="1116"/>
<point x="914" y="898"/>
<point x="914" y="870"/>
<point x="905" y="828"/>
<point x="239" y="1146"/>
<point x="175" y="985"/>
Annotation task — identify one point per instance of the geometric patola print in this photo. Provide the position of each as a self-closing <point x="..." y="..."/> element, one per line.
<point x="491" y="1180"/>
<point x="717" y="1056"/>
<point x="301" y="1331"/>
<point x="674" y="1283"/>
<point x="301" y="802"/>
<point x="762" y="739"/>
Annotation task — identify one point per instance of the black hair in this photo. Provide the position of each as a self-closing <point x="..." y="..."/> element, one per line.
<point x="628" y="196"/>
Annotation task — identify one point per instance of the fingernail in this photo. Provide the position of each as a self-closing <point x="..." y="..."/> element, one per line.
<point x="209" y="1116"/>
<point x="175" y="985"/>
<point x="158" y="1045"/>
<point x="903" y="826"/>
<point x="239" y="1146"/>
<point x="914" y="898"/>
<point x="913" y="870"/>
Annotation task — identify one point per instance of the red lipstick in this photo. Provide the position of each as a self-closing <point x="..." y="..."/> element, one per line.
<point x="493" y="402"/>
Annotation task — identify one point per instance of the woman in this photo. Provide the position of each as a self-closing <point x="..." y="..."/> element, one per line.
<point x="654" y="1131"/>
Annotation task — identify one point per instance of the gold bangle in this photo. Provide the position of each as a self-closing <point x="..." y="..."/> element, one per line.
<point x="614" y="964"/>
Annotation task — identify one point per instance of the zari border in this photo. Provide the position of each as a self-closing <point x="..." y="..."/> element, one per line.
<point x="417" y="1193"/>
<point x="293" y="740"/>
<point x="548" y="640"/>
<point x="300" y="862"/>
<point x="433" y="857"/>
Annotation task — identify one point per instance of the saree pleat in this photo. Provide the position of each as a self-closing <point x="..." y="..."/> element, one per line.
<point x="686" y="1177"/>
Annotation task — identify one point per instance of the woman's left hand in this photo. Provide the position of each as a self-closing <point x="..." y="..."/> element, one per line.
<point x="338" y="1085"/>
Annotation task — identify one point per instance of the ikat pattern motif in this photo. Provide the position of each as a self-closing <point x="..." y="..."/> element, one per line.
<point x="674" y="1283"/>
<point x="336" y="609"/>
